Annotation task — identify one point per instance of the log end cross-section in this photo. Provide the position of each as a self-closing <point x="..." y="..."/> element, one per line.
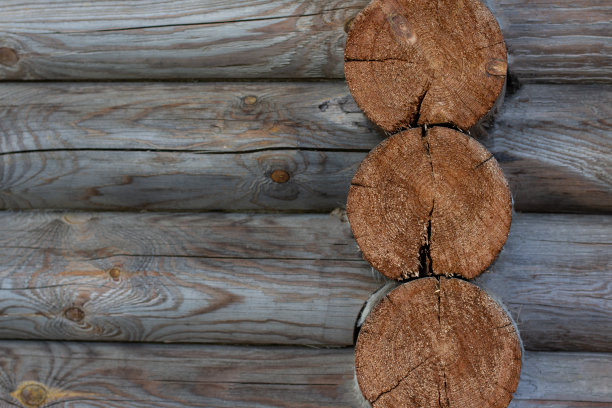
<point x="410" y="62"/>
<point x="438" y="343"/>
<point x="430" y="202"/>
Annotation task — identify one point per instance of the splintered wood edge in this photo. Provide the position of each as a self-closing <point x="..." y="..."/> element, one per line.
<point x="430" y="202"/>
<point x="410" y="63"/>
<point x="438" y="342"/>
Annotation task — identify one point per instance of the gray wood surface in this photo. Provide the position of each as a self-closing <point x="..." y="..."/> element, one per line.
<point x="202" y="147"/>
<point x="555" y="41"/>
<point x="270" y="278"/>
<point x="558" y="40"/>
<point x="145" y="375"/>
<point x="561" y="134"/>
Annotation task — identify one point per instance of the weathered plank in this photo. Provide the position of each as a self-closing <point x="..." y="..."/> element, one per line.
<point x="214" y="146"/>
<point x="290" y="279"/>
<point x="145" y="375"/>
<point x="558" y="41"/>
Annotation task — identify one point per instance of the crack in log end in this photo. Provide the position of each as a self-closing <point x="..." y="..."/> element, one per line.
<point x="441" y="338"/>
<point x="438" y="292"/>
<point x="397" y="384"/>
<point x="425" y="260"/>
<point x="483" y="162"/>
<point x="417" y="116"/>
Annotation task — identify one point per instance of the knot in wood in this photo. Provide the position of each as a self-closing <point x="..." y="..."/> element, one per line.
<point x="402" y="30"/>
<point x="115" y="273"/>
<point x="33" y="395"/>
<point x="250" y="100"/>
<point x="8" y="56"/>
<point x="75" y="314"/>
<point x="497" y="67"/>
<point x="280" y="176"/>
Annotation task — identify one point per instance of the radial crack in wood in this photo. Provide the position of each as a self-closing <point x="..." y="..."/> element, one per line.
<point x="411" y="63"/>
<point x="436" y="203"/>
<point x="438" y="343"/>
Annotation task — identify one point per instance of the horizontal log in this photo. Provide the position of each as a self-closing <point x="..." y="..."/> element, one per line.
<point x="132" y="375"/>
<point x="215" y="146"/>
<point x="561" y="134"/>
<point x="555" y="41"/>
<point x="283" y="279"/>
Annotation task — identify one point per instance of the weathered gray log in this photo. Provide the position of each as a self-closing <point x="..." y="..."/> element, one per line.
<point x="215" y="146"/>
<point x="556" y="41"/>
<point x="564" y="268"/>
<point x="561" y="134"/>
<point x="291" y="279"/>
<point x="145" y="375"/>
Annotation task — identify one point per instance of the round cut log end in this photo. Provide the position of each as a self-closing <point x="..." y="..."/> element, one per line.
<point x="430" y="202"/>
<point x="409" y="62"/>
<point x="438" y="343"/>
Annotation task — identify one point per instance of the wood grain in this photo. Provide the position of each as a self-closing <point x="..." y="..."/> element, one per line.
<point x="410" y="63"/>
<point x="429" y="202"/>
<point x="561" y="134"/>
<point x="146" y="375"/>
<point x="438" y="342"/>
<point x="181" y="277"/>
<point x="564" y="270"/>
<point x="558" y="41"/>
<point x="270" y="278"/>
<point x="203" y="147"/>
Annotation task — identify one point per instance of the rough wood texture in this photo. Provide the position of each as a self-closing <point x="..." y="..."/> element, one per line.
<point x="169" y="147"/>
<point x="131" y="376"/>
<point x="293" y="279"/>
<point x="557" y="41"/>
<point x="429" y="202"/>
<point x="565" y="270"/>
<point x="179" y="277"/>
<point x="133" y="180"/>
<point x="438" y="343"/>
<point x="169" y="142"/>
<point x="411" y="63"/>
<point x="561" y="134"/>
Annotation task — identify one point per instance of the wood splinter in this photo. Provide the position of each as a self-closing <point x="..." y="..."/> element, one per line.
<point x="429" y="202"/>
<point x="410" y="62"/>
<point x="440" y="344"/>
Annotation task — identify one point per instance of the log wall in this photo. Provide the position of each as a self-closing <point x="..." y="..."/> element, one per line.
<point x="111" y="111"/>
<point x="201" y="147"/>
<point x="560" y="41"/>
<point x="120" y="375"/>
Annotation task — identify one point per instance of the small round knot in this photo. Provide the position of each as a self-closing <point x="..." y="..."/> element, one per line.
<point x="115" y="273"/>
<point x="497" y="67"/>
<point x="280" y="176"/>
<point x="75" y="314"/>
<point x="33" y="395"/>
<point x="8" y="56"/>
<point x="249" y="100"/>
<point x="402" y="29"/>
